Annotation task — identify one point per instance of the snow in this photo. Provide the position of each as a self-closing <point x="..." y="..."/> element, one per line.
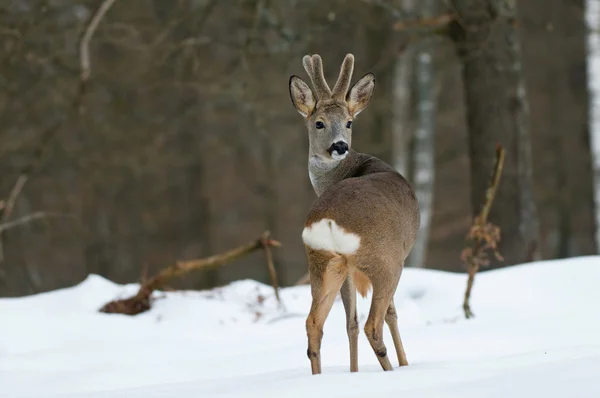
<point x="536" y="334"/>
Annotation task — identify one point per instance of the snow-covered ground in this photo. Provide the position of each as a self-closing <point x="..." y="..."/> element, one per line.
<point x="536" y="334"/>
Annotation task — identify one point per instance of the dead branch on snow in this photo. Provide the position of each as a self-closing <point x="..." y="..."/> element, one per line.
<point x="142" y="301"/>
<point x="482" y="235"/>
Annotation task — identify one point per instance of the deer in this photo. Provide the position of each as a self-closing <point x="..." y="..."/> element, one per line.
<point x="364" y="221"/>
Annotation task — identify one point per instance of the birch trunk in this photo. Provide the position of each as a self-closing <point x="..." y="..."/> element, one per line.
<point x="401" y="126"/>
<point x="424" y="140"/>
<point x="593" y="44"/>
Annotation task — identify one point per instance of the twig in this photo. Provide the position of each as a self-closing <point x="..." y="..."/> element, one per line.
<point x="483" y="234"/>
<point x="271" y="267"/>
<point x="29" y="218"/>
<point x="84" y="44"/>
<point x="494" y="182"/>
<point x="141" y="302"/>
<point x="15" y="192"/>
<point x="9" y="205"/>
<point x="12" y="197"/>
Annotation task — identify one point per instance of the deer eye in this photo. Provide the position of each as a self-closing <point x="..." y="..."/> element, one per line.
<point x="349" y="124"/>
<point x="320" y="125"/>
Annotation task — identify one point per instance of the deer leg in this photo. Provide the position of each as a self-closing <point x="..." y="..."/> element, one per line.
<point x="348" y="293"/>
<point x="384" y="285"/>
<point x="325" y="284"/>
<point x="391" y="318"/>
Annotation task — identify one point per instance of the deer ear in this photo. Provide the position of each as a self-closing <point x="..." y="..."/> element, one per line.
<point x="302" y="96"/>
<point x="360" y="94"/>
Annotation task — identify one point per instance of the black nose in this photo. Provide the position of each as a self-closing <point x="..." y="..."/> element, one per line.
<point x="340" y="147"/>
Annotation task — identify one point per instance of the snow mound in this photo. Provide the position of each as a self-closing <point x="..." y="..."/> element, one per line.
<point x="536" y="333"/>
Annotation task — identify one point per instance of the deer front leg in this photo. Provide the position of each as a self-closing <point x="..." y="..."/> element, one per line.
<point x="327" y="273"/>
<point x="348" y="293"/>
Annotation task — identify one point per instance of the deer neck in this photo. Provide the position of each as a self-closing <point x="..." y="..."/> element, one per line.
<point x="324" y="174"/>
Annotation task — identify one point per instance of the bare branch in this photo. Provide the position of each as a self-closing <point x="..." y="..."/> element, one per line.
<point x="9" y="205"/>
<point x="493" y="187"/>
<point x="84" y="45"/>
<point x="48" y="134"/>
<point x="271" y="267"/>
<point x="29" y="218"/>
<point x="12" y="197"/>
<point x="482" y="234"/>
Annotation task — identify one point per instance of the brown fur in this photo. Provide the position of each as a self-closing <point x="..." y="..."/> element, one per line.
<point x="314" y="68"/>
<point x="364" y="196"/>
<point x="361" y="281"/>
<point x="343" y="84"/>
<point x="338" y="265"/>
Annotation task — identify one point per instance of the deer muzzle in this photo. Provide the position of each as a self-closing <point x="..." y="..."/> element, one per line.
<point x="338" y="150"/>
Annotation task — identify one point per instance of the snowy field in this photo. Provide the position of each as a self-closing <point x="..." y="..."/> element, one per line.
<point x="536" y="334"/>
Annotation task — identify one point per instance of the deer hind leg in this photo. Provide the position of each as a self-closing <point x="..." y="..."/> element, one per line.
<point x="348" y="293"/>
<point x="327" y="273"/>
<point x="384" y="283"/>
<point x="391" y="318"/>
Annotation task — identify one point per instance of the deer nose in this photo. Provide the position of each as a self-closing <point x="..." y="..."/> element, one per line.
<point x="341" y="147"/>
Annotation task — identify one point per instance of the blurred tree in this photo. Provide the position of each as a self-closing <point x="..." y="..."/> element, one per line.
<point x="187" y="145"/>
<point x="592" y="13"/>
<point x="423" y="169"/>
<point x="403" y="101"/>
<point x="488" y="45"/>
<point x="555" y="68"/>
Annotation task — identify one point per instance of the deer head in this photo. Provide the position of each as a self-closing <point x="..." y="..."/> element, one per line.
<point x="329" y="113"/>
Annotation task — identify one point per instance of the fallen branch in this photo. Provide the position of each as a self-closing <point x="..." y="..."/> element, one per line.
<point x="142" y="301"/>
<point x="482" y="235"/>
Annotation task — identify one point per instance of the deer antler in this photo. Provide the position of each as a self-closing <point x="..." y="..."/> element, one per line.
<point x="343" y="82"/>
<point x="314" y="68"/>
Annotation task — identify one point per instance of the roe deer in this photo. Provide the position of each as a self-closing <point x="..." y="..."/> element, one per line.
<point x="364" y="222"/>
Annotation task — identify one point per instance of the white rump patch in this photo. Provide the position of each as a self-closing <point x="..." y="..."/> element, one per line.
<point x="325" y="234"/>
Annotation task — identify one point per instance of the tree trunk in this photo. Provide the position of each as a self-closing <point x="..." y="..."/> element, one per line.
<point x="401" y="110"/>
<point x="554" y="65"/>
<point x="424" y="140"/>
<point x="497" y="112"/>
<point x="593" y="47"/>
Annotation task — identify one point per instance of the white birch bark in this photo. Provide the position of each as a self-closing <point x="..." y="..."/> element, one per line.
<point x="424" y="140"/>
<point x="593" y="43"/>
<point x="401" y="127"/>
